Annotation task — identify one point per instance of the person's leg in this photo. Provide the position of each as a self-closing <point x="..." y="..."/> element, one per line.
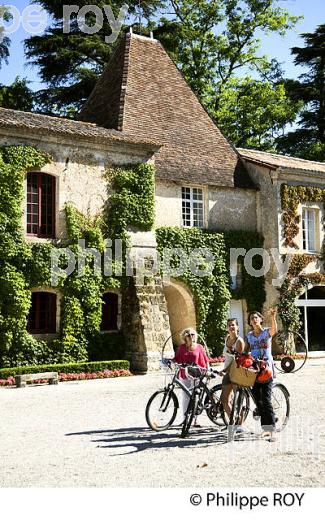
<point x="225" y="398"/>
<point x="184" y="397"/>
<point x="267" y="413"/>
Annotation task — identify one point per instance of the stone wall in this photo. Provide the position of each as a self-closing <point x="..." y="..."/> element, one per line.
<point x="224" y="208"/>
<point x="145" y="324"/>
<point x="79" y="172"/>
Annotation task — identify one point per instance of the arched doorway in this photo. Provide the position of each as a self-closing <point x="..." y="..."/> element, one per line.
<point x="181" y="308"/>
<point x="312" y="313"/>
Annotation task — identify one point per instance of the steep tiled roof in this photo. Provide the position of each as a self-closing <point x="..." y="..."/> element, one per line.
<point x="275" y="161"/>
<point x="39" y="124"/>
<point x="142" y="93"/>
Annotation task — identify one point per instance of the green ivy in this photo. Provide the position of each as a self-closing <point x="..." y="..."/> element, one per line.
<point x="295" y="282"/>
<point x="25" y="266"/>
<point x="212" y="293"/>
<point x="16" y="345"/>
<point x="132" y="204"/>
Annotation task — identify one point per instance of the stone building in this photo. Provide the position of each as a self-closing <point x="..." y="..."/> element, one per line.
<point x="142" y="111"/>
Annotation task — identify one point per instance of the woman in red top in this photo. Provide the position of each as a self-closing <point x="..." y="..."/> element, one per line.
<point x="190" y="352"/>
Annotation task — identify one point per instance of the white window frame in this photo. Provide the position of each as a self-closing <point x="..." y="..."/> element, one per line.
<point x="309" y="220"/>
<point x="192" y="200"/>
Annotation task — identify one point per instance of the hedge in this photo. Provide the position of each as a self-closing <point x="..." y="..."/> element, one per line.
<point x="67" y="368"/>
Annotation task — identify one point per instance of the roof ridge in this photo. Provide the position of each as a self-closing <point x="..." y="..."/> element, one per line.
<point x="125" y="73"/>
<point x="280" y="155"/>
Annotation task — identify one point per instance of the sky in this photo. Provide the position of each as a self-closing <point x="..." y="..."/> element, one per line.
<point x="277" y="47"/>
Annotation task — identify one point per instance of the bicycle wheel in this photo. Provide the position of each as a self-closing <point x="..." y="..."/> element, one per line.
<point x="161" y="410"/>
<point x="281" y="405"/>
<point x="214" y="408"/>
<point x="289" y="351"/>
<point x="189" y="414"/>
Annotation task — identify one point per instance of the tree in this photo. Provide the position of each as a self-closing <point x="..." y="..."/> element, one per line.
<point x="4" y="40"/>
<point x="213" y="40"/>
<point x="308" y="140"/>
<point x="70" y="64"/>
<point x="17" y="95"/>
<point x="210" y="41"/>
<point x="252" y="113"/>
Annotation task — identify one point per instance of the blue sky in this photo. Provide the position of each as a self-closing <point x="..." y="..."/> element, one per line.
<point x="274" y="46"/>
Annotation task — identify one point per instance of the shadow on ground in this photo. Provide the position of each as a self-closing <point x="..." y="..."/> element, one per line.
<point x="134" y="440"/>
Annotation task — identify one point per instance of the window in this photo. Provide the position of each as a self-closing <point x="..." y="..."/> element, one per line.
<point x="40" y="205"/>
<point x="109" y="312"/>
<point x="309" y="229"/>
<point x="42" y="315"/>
<point x="192" y="207"/>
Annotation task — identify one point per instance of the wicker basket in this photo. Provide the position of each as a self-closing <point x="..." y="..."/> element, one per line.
<point x="242" y="376"/>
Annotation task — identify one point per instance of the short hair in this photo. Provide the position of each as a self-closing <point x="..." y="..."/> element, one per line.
<point x="187" y="332"/>
<point x="258" y="314"/>
<point x="232" y="319"/>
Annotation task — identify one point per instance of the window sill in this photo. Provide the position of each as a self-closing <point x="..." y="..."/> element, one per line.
<point x="46" y="336"/>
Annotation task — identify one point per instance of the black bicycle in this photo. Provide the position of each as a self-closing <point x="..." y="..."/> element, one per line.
<point x="242" y="398"/>
<point x="161" y="409"/>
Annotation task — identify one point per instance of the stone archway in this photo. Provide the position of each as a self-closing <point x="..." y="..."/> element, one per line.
<point x="181" y="308"/>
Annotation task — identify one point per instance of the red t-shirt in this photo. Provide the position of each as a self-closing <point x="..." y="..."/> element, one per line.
<point x="196" y="356"/>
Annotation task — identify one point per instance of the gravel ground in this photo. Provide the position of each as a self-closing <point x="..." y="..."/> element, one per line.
<point x="94" y="434"/>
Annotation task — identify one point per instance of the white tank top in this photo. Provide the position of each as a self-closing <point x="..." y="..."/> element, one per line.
<point x="228" y="357"/>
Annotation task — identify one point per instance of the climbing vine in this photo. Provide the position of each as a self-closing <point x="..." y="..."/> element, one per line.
<point x="296" y="281"/>
<point x="291" y="197"/>
<point x="16" y="345"/>
<point x="212" y="292"/>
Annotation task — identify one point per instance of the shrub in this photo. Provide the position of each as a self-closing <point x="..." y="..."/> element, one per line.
<point x="68" y="368"/>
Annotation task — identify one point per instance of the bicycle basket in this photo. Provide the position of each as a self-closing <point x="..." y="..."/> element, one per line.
<point x="242" y="376"/>
<point x="194" y="372"/>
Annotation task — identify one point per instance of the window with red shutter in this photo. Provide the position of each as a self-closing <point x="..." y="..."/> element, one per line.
<point x="109" y="312"/>
<point x="42" y="314"/>
<point x="40" y="205"/>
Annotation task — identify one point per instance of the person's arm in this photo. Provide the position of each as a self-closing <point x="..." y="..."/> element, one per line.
<point x="274" y="326"/>
<point x="178" y="355"/>
<point x="247" y="347"/>
<point x="240" y="345"/>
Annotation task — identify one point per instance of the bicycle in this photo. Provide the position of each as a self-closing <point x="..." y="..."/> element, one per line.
<point x="161" y="409"/>
<point x="290" y="351"/>
<point x="280" y="402"/>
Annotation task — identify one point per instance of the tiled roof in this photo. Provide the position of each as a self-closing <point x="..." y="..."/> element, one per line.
<point x="143" y="93"/>
<point x="39" y="123"/>
<point x="275" y="161"/>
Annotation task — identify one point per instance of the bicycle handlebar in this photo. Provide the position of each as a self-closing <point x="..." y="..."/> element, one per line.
<point x="206" y="372"/>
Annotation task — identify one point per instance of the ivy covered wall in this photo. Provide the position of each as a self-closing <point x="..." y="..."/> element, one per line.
<point x="296" y="281"/>
<point x="212" y="293"/>
<point x="130" y="205"/>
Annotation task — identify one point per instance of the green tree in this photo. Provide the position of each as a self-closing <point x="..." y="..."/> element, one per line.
<point x="252" y="113"/>
<point x="213" y="40"/>
<point x="308" y="140"/>
<point x="70" y="63"/>
<point x="210" y="41"/>
<point x="4" y="40"/>
<point x="17" y="95"/>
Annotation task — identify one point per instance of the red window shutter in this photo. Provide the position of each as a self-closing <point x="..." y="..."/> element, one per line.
<point x="40" y="205"/>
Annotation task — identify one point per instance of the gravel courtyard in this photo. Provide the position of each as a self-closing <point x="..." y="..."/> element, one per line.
<point x="93" y="433"/>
